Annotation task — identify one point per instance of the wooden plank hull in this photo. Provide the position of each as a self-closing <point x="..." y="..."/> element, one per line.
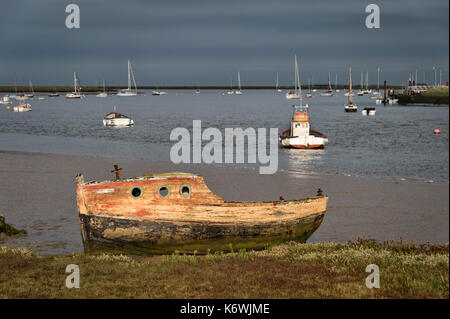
<point x="188" y="218"/>
<point x="110" y="234"/>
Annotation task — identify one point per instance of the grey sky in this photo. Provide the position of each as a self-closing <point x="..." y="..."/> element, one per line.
<point x="205" y="42"/>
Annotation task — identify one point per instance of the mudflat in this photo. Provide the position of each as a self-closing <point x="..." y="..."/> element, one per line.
<point x="38" y="195"/>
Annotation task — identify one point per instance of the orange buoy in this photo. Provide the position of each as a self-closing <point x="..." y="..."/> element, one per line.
<point x="437" y="131"/>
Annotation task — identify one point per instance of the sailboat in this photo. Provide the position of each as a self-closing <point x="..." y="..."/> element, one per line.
<point x="296" y="93"/>
<point x="32" y="91"/>
<point x="277" y="87"/>
<point x="361" y="90"/>
<point x="300" y="135"/>
<point x="128" y="91"/>
<point x="376" y="95"/>
<point x="116" y="119"/>
<point x="350" y="107"/>
<point x="230" y="91"/>
<point x="336" y="84"/>
<point x="76" y="89"/>
<point x="328" y="92"/>
<point x="367" y="91"/>
<point x="309" y="94"/>
<point x="238" y="91"/>
<point x="103" y="94"/>
<point x="54" y="94"/>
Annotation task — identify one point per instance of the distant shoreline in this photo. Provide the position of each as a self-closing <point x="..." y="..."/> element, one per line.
<point x="46" y="89"/>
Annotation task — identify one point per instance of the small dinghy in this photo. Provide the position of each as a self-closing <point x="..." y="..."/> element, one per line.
<point x="368" y="111"/>
<point x="117" y="119"/>
<point x="177" y="212"/>
<point x="22" y="107"/>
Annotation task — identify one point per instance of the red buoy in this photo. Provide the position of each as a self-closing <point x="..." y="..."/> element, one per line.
<point x="437" y="131"/>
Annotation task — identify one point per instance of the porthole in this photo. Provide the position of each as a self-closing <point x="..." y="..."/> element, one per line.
<point x="136" y="192"/>
<point x="185" y="191"/>
<point x="163" y="191"/>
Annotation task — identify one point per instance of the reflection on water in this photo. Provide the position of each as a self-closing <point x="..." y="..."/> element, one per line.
<point x="302" y="161"/>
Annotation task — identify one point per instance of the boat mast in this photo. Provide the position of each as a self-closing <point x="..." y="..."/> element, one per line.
<point x="367" y="80"/>
<point x="129" y="75"/>
<point x="239" y="80"/>
<point x="329" y="84"/>
<point x="335" y="82"/>
<point x="297" y="80"/>
<point x="378" y="79"/>
<point x="31" y="86"/>
<point x="75" y="81"/>
<point x="350" y="88"/>
<point x="362" y="85"/>
<point x="276" y="88"/>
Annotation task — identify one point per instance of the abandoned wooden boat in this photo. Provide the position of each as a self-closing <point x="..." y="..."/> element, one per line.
<point x="178" y="212"/>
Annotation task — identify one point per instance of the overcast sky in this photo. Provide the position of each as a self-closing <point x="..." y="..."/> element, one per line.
<point x="205" y="42"/>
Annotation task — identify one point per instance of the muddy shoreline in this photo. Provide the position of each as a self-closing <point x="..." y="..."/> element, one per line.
<point x="38" y="195"/>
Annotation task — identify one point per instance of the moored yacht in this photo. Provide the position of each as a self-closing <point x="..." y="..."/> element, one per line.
<point x="116" y="119"/>
<point x="128" y="91"/>
<point x="328" y="92"/>
<point x="76" y="92"/>
<point x="350" y="107"/>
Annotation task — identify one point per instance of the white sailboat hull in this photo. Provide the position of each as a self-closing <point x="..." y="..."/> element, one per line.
<point x="118" y="122"/>
<point x="74" y="96"/>
<point x="291" y="96"/>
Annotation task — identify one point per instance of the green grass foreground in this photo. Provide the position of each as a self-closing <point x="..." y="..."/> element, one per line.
<point x="293" y="270"/>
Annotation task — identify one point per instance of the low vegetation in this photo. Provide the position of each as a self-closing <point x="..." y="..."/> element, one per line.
<point x="7" y="230"/>
<point x="293" y="270"/>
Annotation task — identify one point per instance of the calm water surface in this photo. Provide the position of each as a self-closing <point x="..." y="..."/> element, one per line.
<point x="398" y="142"/>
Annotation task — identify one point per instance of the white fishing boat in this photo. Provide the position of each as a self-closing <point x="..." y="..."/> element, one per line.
<point x="328" y="92"/>
<point x="103" y="94"/>
<point x="128" y="91"/>
<point x="76" y="89"/>
<point x="239" y="91"/>
<point x="368" y="111"/>
<point x="22" y="107"/>
<point x="350" y="107"/>
<point x="295" y="94"/>
<point x="277" y="87"/>
<point x="116" y="119"/>
<point x="300" y="135"/>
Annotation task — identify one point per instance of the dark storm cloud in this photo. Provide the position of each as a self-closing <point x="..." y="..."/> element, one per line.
<point x="206" y="42"/>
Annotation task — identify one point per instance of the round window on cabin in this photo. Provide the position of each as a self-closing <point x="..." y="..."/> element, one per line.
<point x="136" y="192"/>
<point x="185" y="191"/>
<point x="163" y="191"/>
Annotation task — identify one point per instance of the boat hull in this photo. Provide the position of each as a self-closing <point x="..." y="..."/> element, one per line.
<point x="111" y="234"/>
